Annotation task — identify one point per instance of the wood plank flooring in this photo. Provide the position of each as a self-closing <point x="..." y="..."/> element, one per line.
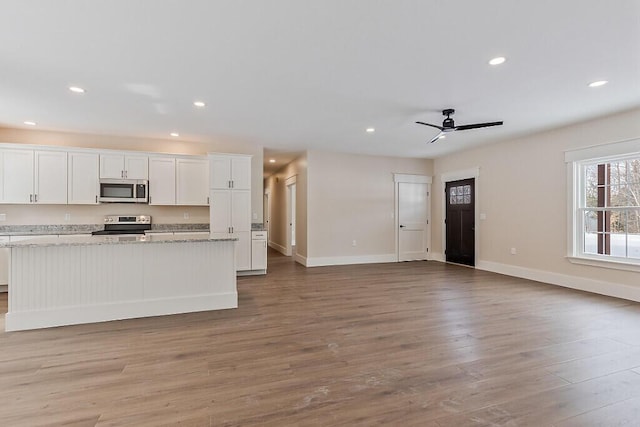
<point x="408" y="344"/>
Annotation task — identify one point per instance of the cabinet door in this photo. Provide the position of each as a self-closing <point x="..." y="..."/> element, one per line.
<point x="50" y="177"/>
<point x="241" y="210"/>
<point x="241" y="173"/>
<point x="162" y="181"/>
<point x="192" y="182"/>
<point x="220" y="172"/>
<point x="17" y="171"/>
<point x="220" y="211"/>
<point x="243" y="250"/>
<point x="112" y="166"/>
<point x="136" y="167"/>
<point x="258" y="254"/>
<point x="82" y="180"/>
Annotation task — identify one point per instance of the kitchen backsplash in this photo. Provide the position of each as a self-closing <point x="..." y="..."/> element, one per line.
<point x="94" y="214"/>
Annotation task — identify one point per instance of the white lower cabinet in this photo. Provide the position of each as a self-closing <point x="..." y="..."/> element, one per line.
<point x="258" y="250"/>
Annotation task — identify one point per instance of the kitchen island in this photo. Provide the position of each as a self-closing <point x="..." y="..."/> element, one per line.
<point x="65" y="281"/>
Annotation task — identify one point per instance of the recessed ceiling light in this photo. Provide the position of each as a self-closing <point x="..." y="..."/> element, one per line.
<point x="199" y="104"/>
<point x="174" y="134"/>
<point x="272" y="160"/>
<point x="30" y="123"/>
<point x="370" y="130"/>
<point x="598" y="83"/>
<point x="498" y="60"/>
<point x="76" y="89"/>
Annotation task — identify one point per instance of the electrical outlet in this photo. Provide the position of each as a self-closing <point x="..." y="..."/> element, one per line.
<point x="354" y="243"/>
<point x="67" y="217"/>
<point x="186" y="215"/>
<point x="513" y="251"/>
<point x="3" y="217"/>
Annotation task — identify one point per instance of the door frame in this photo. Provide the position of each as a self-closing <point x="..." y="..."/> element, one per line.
<point x="267" y="210"/>
<point x="472" y="173"/>
<point x="415" y="179"/>
<point x="287" y="183"/>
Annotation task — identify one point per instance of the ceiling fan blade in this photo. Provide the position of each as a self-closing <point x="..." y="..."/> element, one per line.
<point x="478" y="125"/>
<point x="429" y="124"/>
<point x="437" y="137"/>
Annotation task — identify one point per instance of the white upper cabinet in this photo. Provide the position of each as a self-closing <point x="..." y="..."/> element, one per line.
<point x="50" y="177"/>
<point x="17" y="176"/>
<point x="124" y="166"/>
<point x="230" y="171"/>
<point x="82" y="184"/>
<point x="162" y="181"/>
<point x="30" y="176"/>
<point x="192" y="178"/>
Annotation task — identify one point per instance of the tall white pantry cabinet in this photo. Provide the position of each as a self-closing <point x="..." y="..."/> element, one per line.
<point x="230" y="202"/>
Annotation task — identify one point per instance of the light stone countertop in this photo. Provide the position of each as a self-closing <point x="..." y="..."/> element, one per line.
<point x="113" y="240"/>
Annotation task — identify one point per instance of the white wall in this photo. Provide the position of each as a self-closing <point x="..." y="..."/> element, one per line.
<point x="522" y="190"/>
<point x="41" y="214"/>
<point x="351" y="197"/>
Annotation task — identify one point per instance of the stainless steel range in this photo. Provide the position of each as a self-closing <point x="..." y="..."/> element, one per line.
<point x="124" y="224"/>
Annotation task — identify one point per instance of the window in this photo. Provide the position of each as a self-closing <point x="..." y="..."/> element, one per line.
<point x="605" y="216"/>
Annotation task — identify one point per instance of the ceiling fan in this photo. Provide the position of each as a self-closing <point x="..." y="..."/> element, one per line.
<point x="449" y="126"/>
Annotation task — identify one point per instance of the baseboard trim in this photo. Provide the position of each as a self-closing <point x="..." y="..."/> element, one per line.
<point x="436" y="256"/>
<point x="349" y="260"/>
<point x="278" y="248"/>
<point x="300" y="259"/>
<point x="601" y="287"/>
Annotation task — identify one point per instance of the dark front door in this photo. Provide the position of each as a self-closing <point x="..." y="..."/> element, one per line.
<point x="460" y="222"/>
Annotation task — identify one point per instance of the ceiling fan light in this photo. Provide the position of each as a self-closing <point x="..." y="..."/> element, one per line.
<point x="497" y="60"/>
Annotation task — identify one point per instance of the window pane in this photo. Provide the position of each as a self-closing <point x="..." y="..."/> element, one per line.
<point x="467" y="189"/>
<point x="591" y="196"/>
<point x="460" y="199"/>
<point x="452" y="199"/>
<point x="618" y="196"/>
<point x="452" y="191"/>
<point x="619" y="245"/>
<point x="618" y="172"/>
<point x="590" y="243"/>
<point x="633" y="193"/>
<point x="591" y="221"/>
<point x="591" y="175"/>
<point x="633" y="170"/>
<point x="467" y="199"/>
<point x="617" y="221"/>
<point x="633" y="221"/>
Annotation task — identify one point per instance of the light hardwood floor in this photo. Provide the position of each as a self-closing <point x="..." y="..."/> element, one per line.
<point x="409" y="344"/>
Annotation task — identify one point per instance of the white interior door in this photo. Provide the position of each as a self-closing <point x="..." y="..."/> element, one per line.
<point x="413" y="211"/>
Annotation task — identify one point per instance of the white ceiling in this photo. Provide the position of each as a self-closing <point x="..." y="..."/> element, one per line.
<point x="292" y="75"/>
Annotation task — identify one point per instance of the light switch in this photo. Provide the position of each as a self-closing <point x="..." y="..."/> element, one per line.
<point x="483" y="216"/>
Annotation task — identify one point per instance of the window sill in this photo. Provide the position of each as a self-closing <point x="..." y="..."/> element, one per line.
<point x="598" y="262"/>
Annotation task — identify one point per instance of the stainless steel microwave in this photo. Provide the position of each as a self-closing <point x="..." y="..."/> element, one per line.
<point x="124" y="191"/>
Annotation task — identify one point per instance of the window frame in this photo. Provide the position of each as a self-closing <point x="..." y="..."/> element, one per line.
<point x="577" y="161"/>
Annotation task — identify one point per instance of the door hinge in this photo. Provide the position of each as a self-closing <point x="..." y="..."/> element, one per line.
<point x="427" y="222"/>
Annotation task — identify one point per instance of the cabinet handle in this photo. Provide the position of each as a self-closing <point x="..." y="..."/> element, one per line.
<point x="149" y="199"/>
<point x="233" y="183"/>
<point x="35" y="198"/>
<point x="126" y="173"/>
<point x="96" y="198"/>
<point x="121" y="174"/>
<point x="229" y="184"/>
<point x="30" y="198"/>
<point x="207" y="200"/>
